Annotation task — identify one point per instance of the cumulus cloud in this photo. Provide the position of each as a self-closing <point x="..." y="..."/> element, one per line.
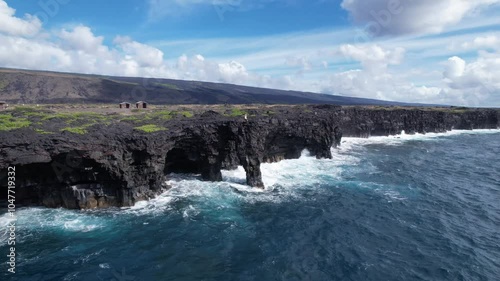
<point x="27" y="26"/>
<point x="144" y="55"/>
<point x="455" y="67"/>
<point x="476" y="80"/>
<point x="374" y="79"/>
<point x="198" y="68"/>
<point x="397" y="17"/>
<point x="385" y="85"/>
<point x="81" y="38"/>
<point x="478" y="77"/>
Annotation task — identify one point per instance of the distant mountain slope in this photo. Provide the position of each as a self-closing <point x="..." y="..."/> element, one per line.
<point x="25" y="86"/>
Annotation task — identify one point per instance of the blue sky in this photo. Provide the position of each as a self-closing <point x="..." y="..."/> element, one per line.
<point x="432" y="51"/>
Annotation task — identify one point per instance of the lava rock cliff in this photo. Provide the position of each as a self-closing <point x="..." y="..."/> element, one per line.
<point x="116" y="165"/>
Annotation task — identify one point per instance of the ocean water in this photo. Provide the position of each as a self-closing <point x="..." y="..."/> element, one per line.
<point x="422" y="207"/>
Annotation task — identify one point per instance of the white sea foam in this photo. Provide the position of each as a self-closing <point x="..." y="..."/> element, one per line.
<point x="104" y="265"/>
<point x="5" y="220"/>
<point x="55" y="219"/>
<point x="350" y="143"/>
<point x="283" y="181"/>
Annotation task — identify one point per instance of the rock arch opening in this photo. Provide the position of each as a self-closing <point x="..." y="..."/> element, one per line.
<point x="181" y="161"/>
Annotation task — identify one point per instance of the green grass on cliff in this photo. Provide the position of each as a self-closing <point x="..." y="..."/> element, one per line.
<point x="167" y="114"/>
<point x="168" y="86"/>
<point x="77" y="116"/>
<point x="187" y="114"/>
<point x="236" y="112"/>
<point x="162" y="115"/>
<point x="75" y="130"/>
<point x="150" y="128"/>
<point x="9" y="122"/>
<point x="3" y="84"/>
<point x="43" y="132"/>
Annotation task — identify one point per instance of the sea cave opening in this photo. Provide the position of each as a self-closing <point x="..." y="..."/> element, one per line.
<point x="182" y="162"/>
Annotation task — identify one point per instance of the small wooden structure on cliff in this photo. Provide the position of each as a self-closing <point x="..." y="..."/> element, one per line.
<point x="125" y="105"/>
<point x="141" y="104"/>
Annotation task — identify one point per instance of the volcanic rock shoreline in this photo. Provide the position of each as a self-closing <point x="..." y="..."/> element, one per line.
<point x="115" y="165"/>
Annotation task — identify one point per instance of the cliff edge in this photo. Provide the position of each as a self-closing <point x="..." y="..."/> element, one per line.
<point x="96" y="160"/>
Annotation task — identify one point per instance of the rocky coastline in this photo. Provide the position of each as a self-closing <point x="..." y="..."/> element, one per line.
<point x="116" y="165"/>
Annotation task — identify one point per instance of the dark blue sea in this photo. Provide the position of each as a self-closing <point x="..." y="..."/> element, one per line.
<point x="422" y="207"/>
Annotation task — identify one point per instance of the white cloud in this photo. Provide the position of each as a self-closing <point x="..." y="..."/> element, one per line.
<point x="479" y="75"/>
<point x="30" y="53"/>
<point x="455" y="68"/>
<point x="81" y="38"/>
<point x="396" y="17"/>
<point x="483" y="42"/>
<point x="475" y="83"/>
<point x="198" y="68"/>
<point x="375" y="79"/>
<point x="144" y="55"/>
<point x="373" y="57"/>
<point x="27" y="26"/>
<point x="233" y="72"/>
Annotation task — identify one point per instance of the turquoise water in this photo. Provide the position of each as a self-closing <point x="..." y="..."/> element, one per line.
<point x="396" y="208"/>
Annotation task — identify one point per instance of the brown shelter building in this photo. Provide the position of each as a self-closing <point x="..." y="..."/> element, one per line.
<point x="141" y="104"/>
<point x="125" y="105"/>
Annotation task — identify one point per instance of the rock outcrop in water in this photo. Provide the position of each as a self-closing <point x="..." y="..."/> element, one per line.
<point x="116" y="165"/>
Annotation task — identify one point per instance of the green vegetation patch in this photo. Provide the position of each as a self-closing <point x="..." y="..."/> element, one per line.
<point x="187" y="114"/>
<point x="237" y="112"/>
<point x="133" y="118"/>
<point x="74" y="116"/>
<point x="29" y="111"/>
<point x="3" y="84"/>
<point x="9" y="122"/>
<point x="168" y="86"/>
<point x="150" y="128"/>
<point x="458" y="109"/>
<point x="162" y="115"/>
<point x="122" y="82"/>
<point x="76" y="130"/>
<point x="42" y="132"/>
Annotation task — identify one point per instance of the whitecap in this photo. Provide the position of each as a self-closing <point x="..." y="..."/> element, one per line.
<point x="104" y="265"/>
<point x="351" y="143"/>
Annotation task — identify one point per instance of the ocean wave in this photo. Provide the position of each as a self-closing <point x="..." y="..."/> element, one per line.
<point x="352" y="143"/>
<point x="61" y="220"/>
